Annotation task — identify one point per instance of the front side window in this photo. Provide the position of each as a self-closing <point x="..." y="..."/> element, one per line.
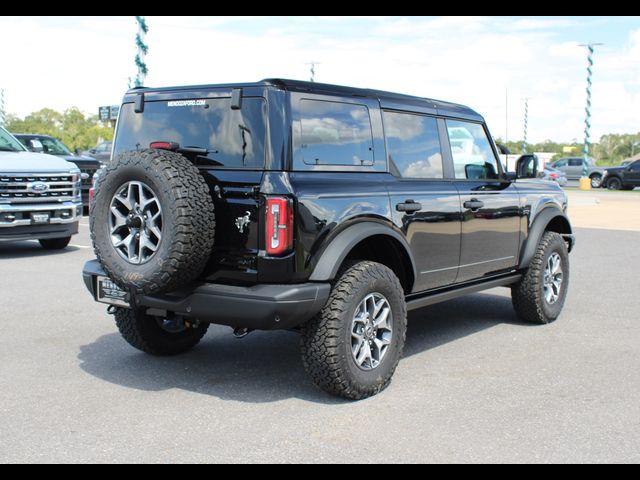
<point x="230" y="138"/>
<point x="53" y="146"/>
<point x="473" y="157"/>
<point x="333" y="133"/>
<point x="575" y="162"/>
<point x="414" y="145"/>
<point x="635" y="166"/>
<point x="560" y="163"/>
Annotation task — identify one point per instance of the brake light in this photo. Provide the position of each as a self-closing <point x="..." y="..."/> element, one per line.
<point x="92" y="193"/>
<point x="553" y="175"/>
<point x="279" y="225"/>
<point x="171" y="146"/>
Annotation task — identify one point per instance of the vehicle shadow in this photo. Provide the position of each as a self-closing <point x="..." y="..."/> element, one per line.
<point x="265" y="366"/>
<point x="12" y="250"/>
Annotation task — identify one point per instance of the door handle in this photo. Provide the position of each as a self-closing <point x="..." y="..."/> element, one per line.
<point x="473" y="204"/>
<point x="409" y="206"/>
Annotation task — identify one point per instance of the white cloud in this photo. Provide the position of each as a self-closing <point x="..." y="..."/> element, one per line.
<point x="471" y="60"/>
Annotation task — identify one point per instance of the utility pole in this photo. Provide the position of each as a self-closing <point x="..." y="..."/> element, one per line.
<point x="143" y="49"/>
<point x="526" y="121"/>
<point x="587" y="120"/>
<point x="3" y="115"/>
<point x="313" y="70"/>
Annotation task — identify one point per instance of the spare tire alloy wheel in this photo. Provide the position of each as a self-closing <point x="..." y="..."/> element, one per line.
<point x="135" y="222"/>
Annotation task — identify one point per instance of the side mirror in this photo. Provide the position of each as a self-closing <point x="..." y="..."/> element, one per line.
<point x="35" y="146"/>
<point x="527" y="167"/>
<point x="93" y="150"/>
<point x="77" y="151"/>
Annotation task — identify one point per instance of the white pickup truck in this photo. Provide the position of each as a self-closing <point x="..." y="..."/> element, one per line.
<point x="40" y="195"/>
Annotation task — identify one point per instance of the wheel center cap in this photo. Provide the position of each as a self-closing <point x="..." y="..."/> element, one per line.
<point x="368" y="331"/>
<point x="135" y="222"/>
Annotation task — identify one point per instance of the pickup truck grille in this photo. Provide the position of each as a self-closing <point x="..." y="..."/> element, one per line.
<point x="37" y="188"/>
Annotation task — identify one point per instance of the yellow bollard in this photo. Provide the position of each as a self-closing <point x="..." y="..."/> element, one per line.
<point x="585" y="183"/>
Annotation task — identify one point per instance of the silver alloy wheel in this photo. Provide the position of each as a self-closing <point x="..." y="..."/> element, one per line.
<point x="135" y="222"/>
<point x="553" y="277"/>
<point x="371" y="331"/>
<point x="596" y="181"/>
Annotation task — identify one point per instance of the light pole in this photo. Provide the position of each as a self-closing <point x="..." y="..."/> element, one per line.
<point x="587" y="120"/>
<point x="3" y="115"/>
<point x="526" y="124"/>
<point x="143" y="49"/>
<point x="313" y="70"/>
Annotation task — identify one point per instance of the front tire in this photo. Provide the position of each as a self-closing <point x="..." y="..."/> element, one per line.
<point x="55" y="243"/>
<point x="539" y="296"/>
<point x="614" y="183"/>
<point x="352" y="347"/>
<point x="596" y="180"/>
<point x="157" y="336"/>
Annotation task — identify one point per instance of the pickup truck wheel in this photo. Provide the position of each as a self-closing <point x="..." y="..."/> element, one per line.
<point x="614" y="183"/>
<point x="55" y="243"/>
<point x="157" y="336"/>
<point x="353" y="346"/>
<point x="596" y="180"/>
<point x="152" y="221"/>
<point x="540" y="295"/>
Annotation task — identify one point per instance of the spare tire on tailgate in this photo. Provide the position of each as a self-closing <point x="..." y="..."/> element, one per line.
<point x="152" y="221"/>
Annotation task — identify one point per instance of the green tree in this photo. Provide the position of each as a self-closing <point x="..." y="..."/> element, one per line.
<point x="74" y="128"/>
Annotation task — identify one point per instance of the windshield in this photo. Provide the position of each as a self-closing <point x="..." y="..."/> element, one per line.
<point x="8" y="143"/>
<point x="207" y="129"/>
<point x="53" y="146"/>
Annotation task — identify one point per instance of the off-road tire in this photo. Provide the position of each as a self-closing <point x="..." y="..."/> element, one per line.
<point x="187" y="215"/>
<point x="326" y="339"/>
<point x="528" y="294"/>
<point x="143" y="332"/>
<point x="55" y="243"/>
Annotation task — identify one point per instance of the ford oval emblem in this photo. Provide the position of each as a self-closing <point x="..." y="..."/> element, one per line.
<point x="38" y="187"/>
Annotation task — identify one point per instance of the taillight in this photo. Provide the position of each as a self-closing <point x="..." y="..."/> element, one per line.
<point x="553" y="175"/>
<point x="92" y="193"/>
<point x="279" y="225"/>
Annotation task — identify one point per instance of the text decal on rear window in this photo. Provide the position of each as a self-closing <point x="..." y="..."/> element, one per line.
<point x="187" y="103"/>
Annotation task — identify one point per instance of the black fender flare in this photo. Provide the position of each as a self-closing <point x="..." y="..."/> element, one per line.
<point x="539" y="226"/>
<point x="334" y="255"/>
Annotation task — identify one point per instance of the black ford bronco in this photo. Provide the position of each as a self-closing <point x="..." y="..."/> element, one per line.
<point x="318" y="208"/>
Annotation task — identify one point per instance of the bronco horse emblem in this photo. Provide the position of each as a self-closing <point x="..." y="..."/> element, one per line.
<point x="242" y="222"/>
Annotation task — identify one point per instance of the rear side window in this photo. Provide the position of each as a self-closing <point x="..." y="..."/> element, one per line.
<point x="333" y="133"/>
<point x="575" y="162"/>
<point x="413" y="144"/>
<point x="232" y="138"/>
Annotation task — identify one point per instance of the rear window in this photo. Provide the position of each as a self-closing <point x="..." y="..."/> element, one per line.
<point x="233" y="138"/>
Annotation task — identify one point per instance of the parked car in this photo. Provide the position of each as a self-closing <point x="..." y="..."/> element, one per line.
<point x="622" y="178"/>
<point x="285" y="204"/>
<point x="555" y="175"/>
<point x="102" y="152"/>
<point x="573" y="168"/>
<point x="52" y="146"/>
<point x="39" y="196"/>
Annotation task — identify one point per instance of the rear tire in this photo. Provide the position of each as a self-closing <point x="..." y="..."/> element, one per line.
<point x="55" y="243"/>
<point x="352" y="347"/>
<point x="147" y="334"/>
<point x="540" y="295"/>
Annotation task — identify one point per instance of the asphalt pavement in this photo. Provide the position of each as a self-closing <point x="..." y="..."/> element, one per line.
<point x="475" y="384"/>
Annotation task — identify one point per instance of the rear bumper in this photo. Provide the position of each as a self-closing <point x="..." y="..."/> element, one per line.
<point x="261" y="307"/>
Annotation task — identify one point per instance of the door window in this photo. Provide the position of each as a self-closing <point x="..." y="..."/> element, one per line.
<point x="473" y="157"/>
<point x="413" y="144"/>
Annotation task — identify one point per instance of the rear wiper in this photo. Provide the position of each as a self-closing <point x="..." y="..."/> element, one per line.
<point x="195" y="150"/>
<point x="175" y="147"/>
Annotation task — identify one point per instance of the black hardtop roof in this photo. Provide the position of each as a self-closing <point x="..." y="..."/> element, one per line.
<point x="395" y="99"/>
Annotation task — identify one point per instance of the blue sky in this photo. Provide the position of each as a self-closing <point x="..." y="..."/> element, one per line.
<point x="86" y="62"/>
